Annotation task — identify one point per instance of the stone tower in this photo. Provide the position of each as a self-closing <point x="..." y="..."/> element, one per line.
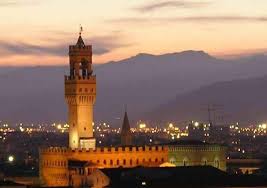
<point x="80" y="94"/>
<point x="126" y="135"/>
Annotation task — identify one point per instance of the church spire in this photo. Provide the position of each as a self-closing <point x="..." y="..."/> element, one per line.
<point x="126" y="135"/>
<point x="125" y="125"/>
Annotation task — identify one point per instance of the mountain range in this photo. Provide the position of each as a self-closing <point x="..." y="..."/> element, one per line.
<point x="172" y="86"/>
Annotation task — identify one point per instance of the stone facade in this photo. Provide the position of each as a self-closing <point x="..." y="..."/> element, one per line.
<point x="80" y="94"/>
<point x="198" y="155"/>
<point x="54" y="161"/>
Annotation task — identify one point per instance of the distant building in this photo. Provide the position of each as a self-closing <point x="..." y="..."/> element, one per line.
<point x="219" y="134"/>
<point x="198" y="131"/>
<point x="126" y="135"/>
<point x="77" y="165"/>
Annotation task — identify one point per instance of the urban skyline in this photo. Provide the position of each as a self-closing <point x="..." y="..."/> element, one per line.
<point x="193" y="115"/>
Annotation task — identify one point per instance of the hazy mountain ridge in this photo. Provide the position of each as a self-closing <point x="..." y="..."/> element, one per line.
<point x="142" y="82"/>
<point x="235" y="101"/>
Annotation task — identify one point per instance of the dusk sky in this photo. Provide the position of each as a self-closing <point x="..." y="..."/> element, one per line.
<point x="38" y="32"/>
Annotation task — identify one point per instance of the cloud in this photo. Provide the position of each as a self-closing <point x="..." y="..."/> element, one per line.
<point x="8" y="3"/>
<point x="11" y="3"/>
<point x="21" y="48"/>
<point x="101" y="45"/>
<point x="169" y="4"/>
<point x="191" y="19"/>
<point x="221" y="18"/>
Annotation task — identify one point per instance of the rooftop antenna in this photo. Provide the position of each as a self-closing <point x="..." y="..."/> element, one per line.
<point x="81" y="30"/>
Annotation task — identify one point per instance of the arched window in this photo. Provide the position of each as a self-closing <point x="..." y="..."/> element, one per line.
<point x="131" y="162"/>
<point x="137" y="162"/>
<point x="118" y="162"/>
<point x="156" y="160"/>
<point x="124" y="162"/>
<point x="104" y="162"/>
<point x="217" y="163"/>
<point x="185" y="161"/>
<point x="111" y="162"/>
<point x="172" y="160"/>
<point x="204" y="161"/>
<point x="162" y="160"/>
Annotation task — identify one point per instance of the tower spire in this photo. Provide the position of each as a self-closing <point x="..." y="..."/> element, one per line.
<point x="80" y="42"/>
<point x="81" y="30"/>
<point x="126" y="135"/>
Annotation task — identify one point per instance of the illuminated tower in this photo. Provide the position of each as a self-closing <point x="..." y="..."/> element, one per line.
<point x="80" y="94"/>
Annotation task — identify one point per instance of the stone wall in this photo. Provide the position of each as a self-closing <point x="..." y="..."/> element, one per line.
<point x="54" y="161"/>
<point x="212" y="155"/>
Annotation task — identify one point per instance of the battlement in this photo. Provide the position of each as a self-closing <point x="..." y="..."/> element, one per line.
<point x="91" y="78"/>
<point x="136" y="149"/>
<point x="61" y="150"/>
<point x="81" y="48"/>
<point x="208" y="147"/>
<point x="54" y="150"/>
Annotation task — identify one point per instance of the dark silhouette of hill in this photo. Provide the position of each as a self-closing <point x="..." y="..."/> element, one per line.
<point x="143" y="82"/>
<point x="239" y="100"/>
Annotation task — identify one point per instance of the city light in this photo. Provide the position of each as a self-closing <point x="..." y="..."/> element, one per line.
<point x="170" y="125"/>
<point x="142" y="125"/>
<point x="10" y="158"/>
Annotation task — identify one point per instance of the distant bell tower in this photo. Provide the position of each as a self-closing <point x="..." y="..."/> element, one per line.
<point x="126" y="135"/>
<point x="80" y="94"/>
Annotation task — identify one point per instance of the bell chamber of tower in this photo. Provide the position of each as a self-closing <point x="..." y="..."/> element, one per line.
<point x="80" y="94"/>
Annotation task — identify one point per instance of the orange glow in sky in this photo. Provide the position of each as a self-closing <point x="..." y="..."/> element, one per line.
<point x="38" y="32"/>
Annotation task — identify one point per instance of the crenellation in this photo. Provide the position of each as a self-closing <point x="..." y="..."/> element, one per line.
<point x="80" y="78"/>
<point x="74" y="48"/>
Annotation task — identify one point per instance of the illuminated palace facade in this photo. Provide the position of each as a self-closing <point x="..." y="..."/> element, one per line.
<point x="81" y="161"/>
